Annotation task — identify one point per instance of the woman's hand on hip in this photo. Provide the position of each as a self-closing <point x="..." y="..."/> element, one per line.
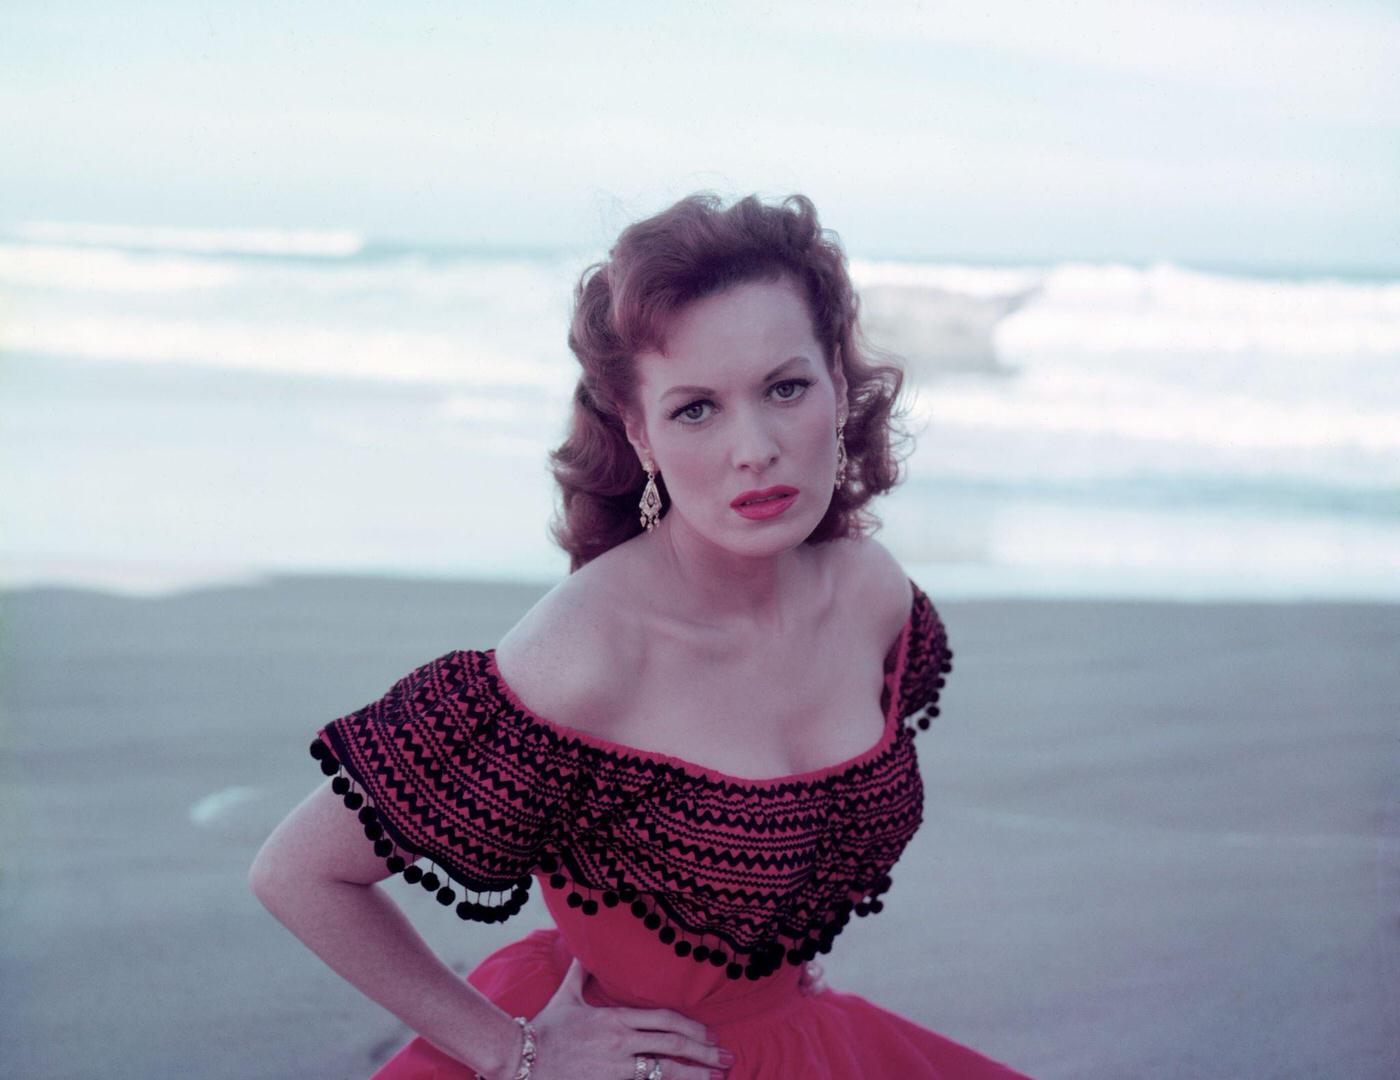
<point x="578" y="1041"/>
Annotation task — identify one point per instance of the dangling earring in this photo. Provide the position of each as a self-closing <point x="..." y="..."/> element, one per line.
<point x="840" y="453"/>
<point x="651" y="498"/>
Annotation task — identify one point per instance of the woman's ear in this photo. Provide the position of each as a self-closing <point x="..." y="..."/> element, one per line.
<point x="637" y="436"/>
<point x="838" y="383"/>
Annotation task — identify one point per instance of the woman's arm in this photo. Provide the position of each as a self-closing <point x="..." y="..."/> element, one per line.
<point x="318" y="876"/>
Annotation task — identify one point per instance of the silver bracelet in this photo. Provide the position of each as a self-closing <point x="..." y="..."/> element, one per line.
<point x="527" y="1051"/>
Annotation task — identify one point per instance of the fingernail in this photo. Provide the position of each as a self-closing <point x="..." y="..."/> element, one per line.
<point x="726" y="1058"/>
<point x="716" y="1075"/>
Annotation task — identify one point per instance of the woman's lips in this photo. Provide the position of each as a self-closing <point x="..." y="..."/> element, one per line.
<point x="768" y="507"/>
<point x="762" y="493"/>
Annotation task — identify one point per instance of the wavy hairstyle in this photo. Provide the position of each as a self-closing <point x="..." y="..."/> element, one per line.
<point x="623" y="307"/>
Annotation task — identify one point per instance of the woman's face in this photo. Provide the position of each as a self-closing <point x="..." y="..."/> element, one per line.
<point x="741" y="401"/>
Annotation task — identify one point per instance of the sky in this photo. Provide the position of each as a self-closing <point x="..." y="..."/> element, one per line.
<point x="1216" y="134"/>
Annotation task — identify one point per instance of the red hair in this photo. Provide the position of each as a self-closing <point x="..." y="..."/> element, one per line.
<point x="623" y="306"/>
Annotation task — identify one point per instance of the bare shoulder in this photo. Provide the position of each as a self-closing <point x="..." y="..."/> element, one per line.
<point x="876" y="583"/>
<point x="564" y="656"/>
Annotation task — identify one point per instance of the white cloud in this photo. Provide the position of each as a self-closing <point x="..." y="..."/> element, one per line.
<point x="1323" y="62"/>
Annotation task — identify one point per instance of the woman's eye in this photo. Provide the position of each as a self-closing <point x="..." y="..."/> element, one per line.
<point x="694" y="412"/>
<point x="686" y="411"/>
<point x="795" y="385"/>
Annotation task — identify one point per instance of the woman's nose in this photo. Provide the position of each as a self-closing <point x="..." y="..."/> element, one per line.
<point x="755" y="446"/>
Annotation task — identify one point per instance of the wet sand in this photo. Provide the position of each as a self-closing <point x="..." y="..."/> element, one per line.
<point x="1160" y="839"/>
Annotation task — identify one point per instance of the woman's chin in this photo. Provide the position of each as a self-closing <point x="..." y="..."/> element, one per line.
<point x="735" y="534"/>
<point x="767" y="538"/>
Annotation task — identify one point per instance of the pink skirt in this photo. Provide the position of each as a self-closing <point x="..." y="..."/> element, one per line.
<point x="774" y="1034"/>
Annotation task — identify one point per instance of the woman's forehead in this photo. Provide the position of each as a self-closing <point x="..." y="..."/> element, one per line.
<point x="753" y="325"/>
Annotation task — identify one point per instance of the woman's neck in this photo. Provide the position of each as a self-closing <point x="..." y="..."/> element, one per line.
<point x="715" y="586"/>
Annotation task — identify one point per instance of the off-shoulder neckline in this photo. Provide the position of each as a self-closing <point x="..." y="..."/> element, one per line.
<point x="694" y="769"/>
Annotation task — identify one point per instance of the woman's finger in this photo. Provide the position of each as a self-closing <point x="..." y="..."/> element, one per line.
<point x="679" y="1070"/>
<point x="662" y="1020"/>
<point x="672" y="1044"/>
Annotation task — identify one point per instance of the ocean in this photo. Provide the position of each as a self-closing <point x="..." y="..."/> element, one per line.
<point x="180" y="407"/>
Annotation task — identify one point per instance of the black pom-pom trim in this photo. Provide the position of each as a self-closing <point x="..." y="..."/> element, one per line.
<point x="385" y="848"/>
<point x="762" y="960"/>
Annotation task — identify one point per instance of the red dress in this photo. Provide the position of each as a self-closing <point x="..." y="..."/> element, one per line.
<point x="676" y="886"/>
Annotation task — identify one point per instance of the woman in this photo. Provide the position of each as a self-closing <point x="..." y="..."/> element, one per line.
<point x="701" y="741"/>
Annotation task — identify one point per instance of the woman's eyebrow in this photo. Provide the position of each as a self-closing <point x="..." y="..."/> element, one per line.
<point x="706" y="390"/>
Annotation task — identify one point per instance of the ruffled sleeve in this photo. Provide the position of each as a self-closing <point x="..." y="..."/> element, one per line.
<point x="431" y="777"/>
<point x="924" y="661"/>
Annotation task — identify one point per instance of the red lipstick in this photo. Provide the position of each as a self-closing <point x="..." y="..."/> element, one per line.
<point x="767" y="503"/>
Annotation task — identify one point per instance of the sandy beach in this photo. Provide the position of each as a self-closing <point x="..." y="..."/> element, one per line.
<point x="1160" y="840"/>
